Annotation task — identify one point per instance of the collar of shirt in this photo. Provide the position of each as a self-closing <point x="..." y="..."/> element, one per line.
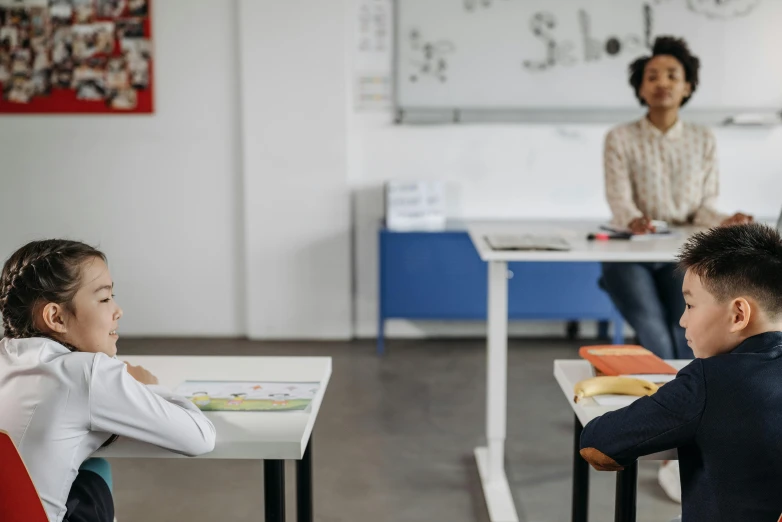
<point x="760" y="343"/>
<point x="673" y="133"/>
<point x="26" y="345"/>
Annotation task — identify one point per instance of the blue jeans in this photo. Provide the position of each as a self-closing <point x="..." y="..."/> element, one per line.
<point x="649" y="297"/>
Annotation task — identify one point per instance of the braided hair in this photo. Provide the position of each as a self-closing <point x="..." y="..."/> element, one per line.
<point x="40" y="271"/>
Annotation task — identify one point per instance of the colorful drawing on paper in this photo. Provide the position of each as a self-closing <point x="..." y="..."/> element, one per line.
<point x="75" y="56"/>
<point x="248" y="395"/>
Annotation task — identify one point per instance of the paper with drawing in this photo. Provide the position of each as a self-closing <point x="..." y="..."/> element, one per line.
<point x="248" y="395"/>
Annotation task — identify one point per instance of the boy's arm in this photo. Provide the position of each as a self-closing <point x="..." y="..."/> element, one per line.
<point x="668" y="419"/>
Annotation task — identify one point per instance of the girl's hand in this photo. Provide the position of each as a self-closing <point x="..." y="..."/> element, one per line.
<point x="141" y="374"/>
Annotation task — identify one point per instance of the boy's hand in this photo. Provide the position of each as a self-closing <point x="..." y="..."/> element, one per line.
<point x="141" y="374"/>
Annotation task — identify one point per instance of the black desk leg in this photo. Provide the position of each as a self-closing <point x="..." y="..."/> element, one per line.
<point x="580" y="479"/>
<point x="626" y="483"/>
<point x="274" y="490"/>
<point x="304" y="485"/>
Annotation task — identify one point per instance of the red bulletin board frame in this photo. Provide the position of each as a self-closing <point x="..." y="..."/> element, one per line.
<point x="65" y="101"/>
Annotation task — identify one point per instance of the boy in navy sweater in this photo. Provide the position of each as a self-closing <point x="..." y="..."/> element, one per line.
<point x="724" y="410"/>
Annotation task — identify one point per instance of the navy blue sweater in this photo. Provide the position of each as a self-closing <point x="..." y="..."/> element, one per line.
<point x="724" y="414"/>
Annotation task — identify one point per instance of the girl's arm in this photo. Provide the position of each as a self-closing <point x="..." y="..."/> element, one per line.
<point x="121" y="405"/>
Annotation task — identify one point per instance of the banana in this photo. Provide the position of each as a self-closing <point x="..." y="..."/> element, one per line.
<point x="613" y="386"/>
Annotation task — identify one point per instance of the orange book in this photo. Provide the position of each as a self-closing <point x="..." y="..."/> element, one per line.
<point x="625" y="360"/>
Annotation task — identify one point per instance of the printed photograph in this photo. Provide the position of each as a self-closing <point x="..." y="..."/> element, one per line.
<point x="84" y="11"/>
<point x="138" y="7"/>
<point x="117" y="76"/>
<point x="60" y="12"/>
<point x="123" y="100"/>
<point x="39" y="22"/>
<point x="129" y="28"/>
<point x="89" y="79"/>
<point x="5" y="66"/>
<point x="137" y="53"/>
<point x="41" y="83"/>
<point x="92" y="39"/>
<point x="61" y="51"/>
<point x="19" y="90"/>
<point x="111" y="8"/>
<point x="62" y="75"/>
<point x="18" y="17"/>
<point x="21" y="62"/>
<point x="41" y="60"/>
<point x="9" y="37"/>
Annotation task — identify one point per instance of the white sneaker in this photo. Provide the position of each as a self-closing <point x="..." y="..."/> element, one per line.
<point x="669" y="480"/>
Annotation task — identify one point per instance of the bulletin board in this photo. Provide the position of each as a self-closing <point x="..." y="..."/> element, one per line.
<point x="76" y="56"/>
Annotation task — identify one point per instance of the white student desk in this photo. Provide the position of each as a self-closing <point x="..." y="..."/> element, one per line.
<point x="269" y="436"/>
<point x="491" y="458"/>
<point x="568" y="373"/>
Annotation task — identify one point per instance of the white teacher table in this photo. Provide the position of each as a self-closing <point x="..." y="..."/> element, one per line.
<point x="568" y="373"/>
<point x="491" y="458"/>
<point x="273" y="437"/>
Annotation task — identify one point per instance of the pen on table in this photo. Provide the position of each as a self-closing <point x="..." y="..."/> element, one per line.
<point x="600" y="236"/>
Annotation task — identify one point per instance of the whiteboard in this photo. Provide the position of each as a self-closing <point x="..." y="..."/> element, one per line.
<point x="563" y="58"/>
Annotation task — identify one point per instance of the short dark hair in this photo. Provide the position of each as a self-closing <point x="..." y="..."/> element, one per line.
<point x="668" y="46"/>
<point x="49" y="271"/>
<point x="738" y="260"/>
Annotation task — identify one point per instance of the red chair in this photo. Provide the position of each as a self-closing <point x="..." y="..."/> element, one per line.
<point x="19" y="501"/>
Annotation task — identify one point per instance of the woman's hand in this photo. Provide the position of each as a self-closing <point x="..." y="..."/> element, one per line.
<point x="641" y="225"/>
<point x="141" y="374"/>
<point x="737" y="219"/>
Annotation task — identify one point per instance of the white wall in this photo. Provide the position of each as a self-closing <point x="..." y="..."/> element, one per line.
<point x="157" y="193"/>
<point x="294" y="86"/>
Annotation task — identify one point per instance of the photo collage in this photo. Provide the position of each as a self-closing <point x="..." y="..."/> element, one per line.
<point x="75" y="56"/>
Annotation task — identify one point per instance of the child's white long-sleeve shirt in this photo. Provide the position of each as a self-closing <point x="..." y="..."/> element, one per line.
<point x="60" y="406"/>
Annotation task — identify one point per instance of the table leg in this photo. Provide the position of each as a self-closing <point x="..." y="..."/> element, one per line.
<point x="497" y="367"/>
<point x="304" y="485"/>
<point x="491" y="459"/>
<point x="274" y="490"/>
<point x="580" y="478"/>
<point x="626" y="483"/>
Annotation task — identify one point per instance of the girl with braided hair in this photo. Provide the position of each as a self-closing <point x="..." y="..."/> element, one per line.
<point x="63" y="392"/>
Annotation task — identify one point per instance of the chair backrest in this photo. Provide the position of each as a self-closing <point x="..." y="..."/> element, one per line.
<point x="19" y="501"/>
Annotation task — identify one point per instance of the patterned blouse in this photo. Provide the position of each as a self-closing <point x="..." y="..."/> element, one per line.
<point x="669" y="176"/>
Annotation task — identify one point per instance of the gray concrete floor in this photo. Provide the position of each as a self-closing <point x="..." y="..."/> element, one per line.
<point x="393" y="441"/>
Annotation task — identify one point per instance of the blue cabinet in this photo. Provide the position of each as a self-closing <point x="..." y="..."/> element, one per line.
<point x="439" y="275"/>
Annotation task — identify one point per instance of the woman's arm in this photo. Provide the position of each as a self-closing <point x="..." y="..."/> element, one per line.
<point x="618" y="187"/>
<point x="707" y="214"/>
<point x="121" y="405"/>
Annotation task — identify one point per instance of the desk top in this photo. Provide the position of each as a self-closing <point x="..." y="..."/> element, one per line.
<point x="662" y="248"/>
<point x="569" y="372"/>
<point x="240" y="435"/>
